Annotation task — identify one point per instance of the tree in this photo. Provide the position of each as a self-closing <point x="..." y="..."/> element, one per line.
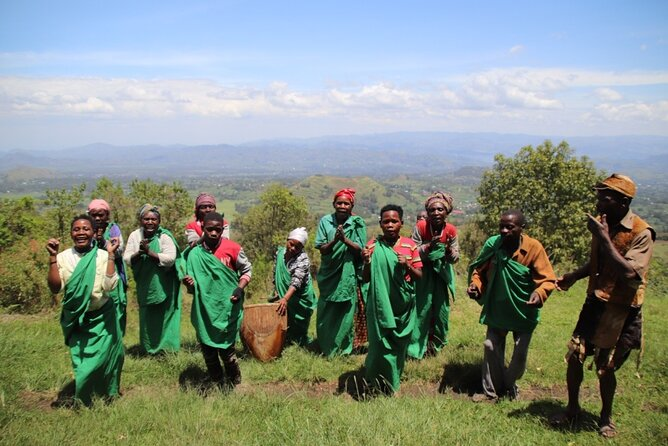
<point x="63" y="208"/>
<point x="18" y="219"/>
<point x="553" y="189"/>
<point x="265" y="226"/>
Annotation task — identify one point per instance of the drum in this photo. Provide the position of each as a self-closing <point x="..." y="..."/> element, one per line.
<point x="263" y="331"/>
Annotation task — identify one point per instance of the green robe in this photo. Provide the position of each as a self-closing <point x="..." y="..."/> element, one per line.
<point x="300" y="305"/>
<point x="433" y="293"/>
<point x="505" y="297"/>
<point x="216" y="318"/>
<point x="159" y="298"/>
<point x="390" y="313"/>
<point x="94" y="338"/>
<point x="338" y="282"/>
<point x="119" y="294"/>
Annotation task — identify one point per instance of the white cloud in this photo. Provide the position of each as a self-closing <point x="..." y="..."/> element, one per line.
<point x="635" y="111"/>
<point x="516" y="49"/>
<point x="607" y="94"/>
<point x="518" y="100"/>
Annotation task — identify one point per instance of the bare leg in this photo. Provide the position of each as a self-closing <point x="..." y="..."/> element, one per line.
<point x="607" y="386"/>
<point x="574" y="375"/>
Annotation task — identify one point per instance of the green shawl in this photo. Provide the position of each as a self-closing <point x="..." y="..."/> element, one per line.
<point x="504" y="299"/>
<point x="339" y="271"/>
<point x="77" y="294"/>
<point x="433" y="294"/>
<point x="156" y="283"/>
<point x="216" y="319"/>
<point x="390" y="317"/>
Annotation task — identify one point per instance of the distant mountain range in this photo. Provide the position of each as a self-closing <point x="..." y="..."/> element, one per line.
<point x="373" y="154"/>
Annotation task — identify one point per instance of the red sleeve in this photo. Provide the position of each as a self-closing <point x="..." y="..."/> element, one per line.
<point x="450" y="231"/>
<point x="422" y="230"/>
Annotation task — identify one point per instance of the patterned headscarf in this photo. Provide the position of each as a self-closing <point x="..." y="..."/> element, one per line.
<point x="147" y="208"/>
<point x="204" y="198"/>
<point x="440" y="197"/>
<point x="348" y="193"/>
<point x="99" y="203"/>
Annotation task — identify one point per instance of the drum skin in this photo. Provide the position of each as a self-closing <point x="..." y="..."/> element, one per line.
<point x="263" y="331"/>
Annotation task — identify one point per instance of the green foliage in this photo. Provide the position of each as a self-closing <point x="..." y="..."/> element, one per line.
<point x="267" y="224"/>
<point x="552" y="188"/>
<point x="23" y="270"/>
<point x="18" y="219"/>
<point x="63" y="206"/>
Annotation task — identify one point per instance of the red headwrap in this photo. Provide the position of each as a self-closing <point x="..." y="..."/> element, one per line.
<point x="348" y="193"/>
<point x="204" y="198"/>
<point x="99" y="203"/>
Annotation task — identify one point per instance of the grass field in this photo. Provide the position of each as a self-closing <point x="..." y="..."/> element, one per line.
<point x="302" y="398"/>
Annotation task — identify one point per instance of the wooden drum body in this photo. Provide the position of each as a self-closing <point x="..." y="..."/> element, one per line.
<point x="263" y="331"/>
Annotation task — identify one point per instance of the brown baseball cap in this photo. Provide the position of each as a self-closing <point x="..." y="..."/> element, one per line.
<point x="620" y="183"/>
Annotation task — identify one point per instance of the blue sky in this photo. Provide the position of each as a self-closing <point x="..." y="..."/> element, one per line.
<point x="209" y="72"/>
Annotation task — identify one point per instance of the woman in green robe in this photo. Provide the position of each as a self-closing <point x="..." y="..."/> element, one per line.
<point x="106" y="229"/>
<point x="340" y="239"/>
<point x="391" y="265"/>
<point x="294" y="287"/>
<point x="153" y="255"/>
<point x="439" y="250"/>
<point x="89" y="317"/>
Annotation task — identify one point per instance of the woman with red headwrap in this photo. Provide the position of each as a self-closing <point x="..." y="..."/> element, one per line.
<point x="204" y="203"/>
<point x="439" y="249"/>
<point x="340" y="239"/>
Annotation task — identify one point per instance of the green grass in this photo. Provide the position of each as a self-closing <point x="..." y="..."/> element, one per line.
<point x="296" y="399"/>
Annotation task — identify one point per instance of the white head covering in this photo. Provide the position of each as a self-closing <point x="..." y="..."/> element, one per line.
<point x="299" y="234"/>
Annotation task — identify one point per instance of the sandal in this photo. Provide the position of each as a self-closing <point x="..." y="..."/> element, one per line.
<point x="564" y="419"/>
<point x="608" y="430"/>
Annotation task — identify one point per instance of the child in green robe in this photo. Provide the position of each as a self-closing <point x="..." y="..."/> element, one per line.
<point x="217" y="271"/>
<point x="391" y="265"/>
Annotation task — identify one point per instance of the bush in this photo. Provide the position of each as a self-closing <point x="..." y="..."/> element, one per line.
<point x="23" y="271"/>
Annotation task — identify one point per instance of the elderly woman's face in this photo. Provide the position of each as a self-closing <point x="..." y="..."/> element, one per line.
<point x="343" y="205"/>
<point x="150" y="222"/>
<point x="436" y="213"/>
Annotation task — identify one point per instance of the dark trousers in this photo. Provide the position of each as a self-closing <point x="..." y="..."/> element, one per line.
<point x="229" y="361"/>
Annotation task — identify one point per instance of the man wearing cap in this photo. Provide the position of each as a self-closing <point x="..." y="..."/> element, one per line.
<point x="610" y="322"/>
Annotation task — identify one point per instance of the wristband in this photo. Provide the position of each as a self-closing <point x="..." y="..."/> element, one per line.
<point x="52" y="262"/>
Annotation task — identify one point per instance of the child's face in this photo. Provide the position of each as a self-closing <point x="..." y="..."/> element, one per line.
<point x="213" y="230"/>
<point x="293" y="247"/>
<point x="390" y="223"/>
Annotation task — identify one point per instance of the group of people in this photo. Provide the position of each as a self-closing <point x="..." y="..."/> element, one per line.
<point x="392" y="292"/>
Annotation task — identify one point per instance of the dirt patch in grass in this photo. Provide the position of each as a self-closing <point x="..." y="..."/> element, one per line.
<point x="50" y="400"/>
<point x="37" y="400"/>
